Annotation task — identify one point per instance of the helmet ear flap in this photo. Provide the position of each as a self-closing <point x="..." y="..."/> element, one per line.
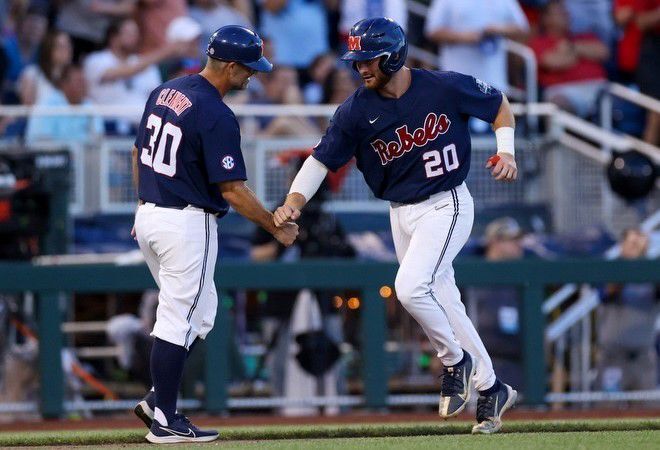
<point x="382" y="61"/>
<point x="383" y="66"/>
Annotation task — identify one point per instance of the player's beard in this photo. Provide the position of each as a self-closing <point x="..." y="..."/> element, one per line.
<point x="378" y="81"/>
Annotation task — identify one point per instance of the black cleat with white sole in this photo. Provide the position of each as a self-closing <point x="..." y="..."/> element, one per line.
<point x="490" y="409"/>
<point x="180" y="430"/>
<point x="455" y="387"/>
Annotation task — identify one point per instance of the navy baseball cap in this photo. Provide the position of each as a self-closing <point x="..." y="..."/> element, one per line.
<point x="239" y="44"/>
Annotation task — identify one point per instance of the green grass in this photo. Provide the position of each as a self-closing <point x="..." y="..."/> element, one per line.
<point x="540" y="434"/>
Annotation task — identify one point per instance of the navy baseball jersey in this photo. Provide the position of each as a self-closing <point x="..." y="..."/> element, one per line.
<point x="411" y="147"/>
<point x="188" y="141"/>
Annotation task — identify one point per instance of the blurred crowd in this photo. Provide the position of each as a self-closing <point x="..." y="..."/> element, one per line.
<point x="114" y="52"/>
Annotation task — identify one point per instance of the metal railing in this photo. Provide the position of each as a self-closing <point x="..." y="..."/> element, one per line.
<point x="531" y="93"/>
<point x="606" y="115"/>
<point x="559" y="297"/>
<point x="575" y="325"/>
<point x="581" y="146"/>
<point x="101" y="168"/>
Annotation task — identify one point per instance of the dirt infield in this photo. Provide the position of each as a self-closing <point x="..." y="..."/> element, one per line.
<point x="130" y="421"/>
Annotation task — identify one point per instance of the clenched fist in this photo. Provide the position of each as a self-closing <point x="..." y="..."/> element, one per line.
<point x="284" y="214"/>
<point x="286" y="233"/>
<point x="504" y="167"/>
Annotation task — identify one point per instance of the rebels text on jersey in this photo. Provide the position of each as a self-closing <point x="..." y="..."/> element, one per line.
<point x="188" y="141"/>
<point x="414" y="146"/>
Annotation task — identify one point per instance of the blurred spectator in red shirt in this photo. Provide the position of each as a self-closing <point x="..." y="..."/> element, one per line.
<point x="648" y="73"/>
<point x="625" y="15"/>
<point x="532" y="11"/>
<point x="570" y="66"/>
<point x="153" y="18"/>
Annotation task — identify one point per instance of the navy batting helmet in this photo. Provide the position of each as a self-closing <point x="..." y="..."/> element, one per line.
<point x="239" y="44"/>
<point x="373" y="38"/>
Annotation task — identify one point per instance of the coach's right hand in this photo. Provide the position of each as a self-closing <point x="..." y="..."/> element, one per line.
<point x="286" y="234"/>
<point x="284" y="214"/>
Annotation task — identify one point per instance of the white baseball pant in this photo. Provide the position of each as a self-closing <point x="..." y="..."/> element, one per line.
<point x="427" y="237"/>
<point x="180" y="248"/>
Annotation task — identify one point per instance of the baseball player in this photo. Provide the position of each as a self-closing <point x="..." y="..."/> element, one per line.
<point x="189" y="168"/>
<point x="408" y="131"/>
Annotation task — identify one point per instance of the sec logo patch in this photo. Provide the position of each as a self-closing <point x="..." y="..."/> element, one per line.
<point x="483" y="86"/>
<point x="228" y="162"/>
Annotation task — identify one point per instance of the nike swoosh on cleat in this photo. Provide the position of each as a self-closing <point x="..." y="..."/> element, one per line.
<point x="176" y="433"/>
<point x="463" y="396"/>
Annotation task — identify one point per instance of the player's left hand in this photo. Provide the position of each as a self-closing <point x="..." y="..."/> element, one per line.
<point x="286" y="233"/>
<point x="503" y="167"/>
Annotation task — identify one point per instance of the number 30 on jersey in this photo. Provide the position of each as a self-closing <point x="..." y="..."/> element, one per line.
<point x="435" y="160"/>
<point x="154" y="155"/>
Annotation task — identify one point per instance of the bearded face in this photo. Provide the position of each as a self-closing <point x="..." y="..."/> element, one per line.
<point x="372" y="76"/>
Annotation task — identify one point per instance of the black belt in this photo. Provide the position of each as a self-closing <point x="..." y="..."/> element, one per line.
<point x="415" y="201"/>
<point x="206" y="210"/>
<point x="419" y="200"/>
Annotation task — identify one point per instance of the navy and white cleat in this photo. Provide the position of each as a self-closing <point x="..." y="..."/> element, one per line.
<point x="456" y="386"/>
<point x="490" y="409"/>
<point x="180" y="430"/>
<point x="145" y="409"/>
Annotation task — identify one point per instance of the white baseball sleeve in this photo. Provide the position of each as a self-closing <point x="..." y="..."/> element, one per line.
<point x="309" y="178"/>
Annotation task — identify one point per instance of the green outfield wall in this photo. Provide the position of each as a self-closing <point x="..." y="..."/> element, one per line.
<point x="532" y="277"/>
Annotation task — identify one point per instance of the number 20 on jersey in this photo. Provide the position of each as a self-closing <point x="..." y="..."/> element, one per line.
<point x="435" y="160"/>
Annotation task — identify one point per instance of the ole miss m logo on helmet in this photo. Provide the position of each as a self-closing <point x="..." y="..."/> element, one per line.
<point x="433" y="127"/>
<point x="354" y="43"/>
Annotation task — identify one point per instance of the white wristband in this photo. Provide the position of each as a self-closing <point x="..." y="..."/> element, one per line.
<point x="505" y="140"/>
<point x="309" y="178"/>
